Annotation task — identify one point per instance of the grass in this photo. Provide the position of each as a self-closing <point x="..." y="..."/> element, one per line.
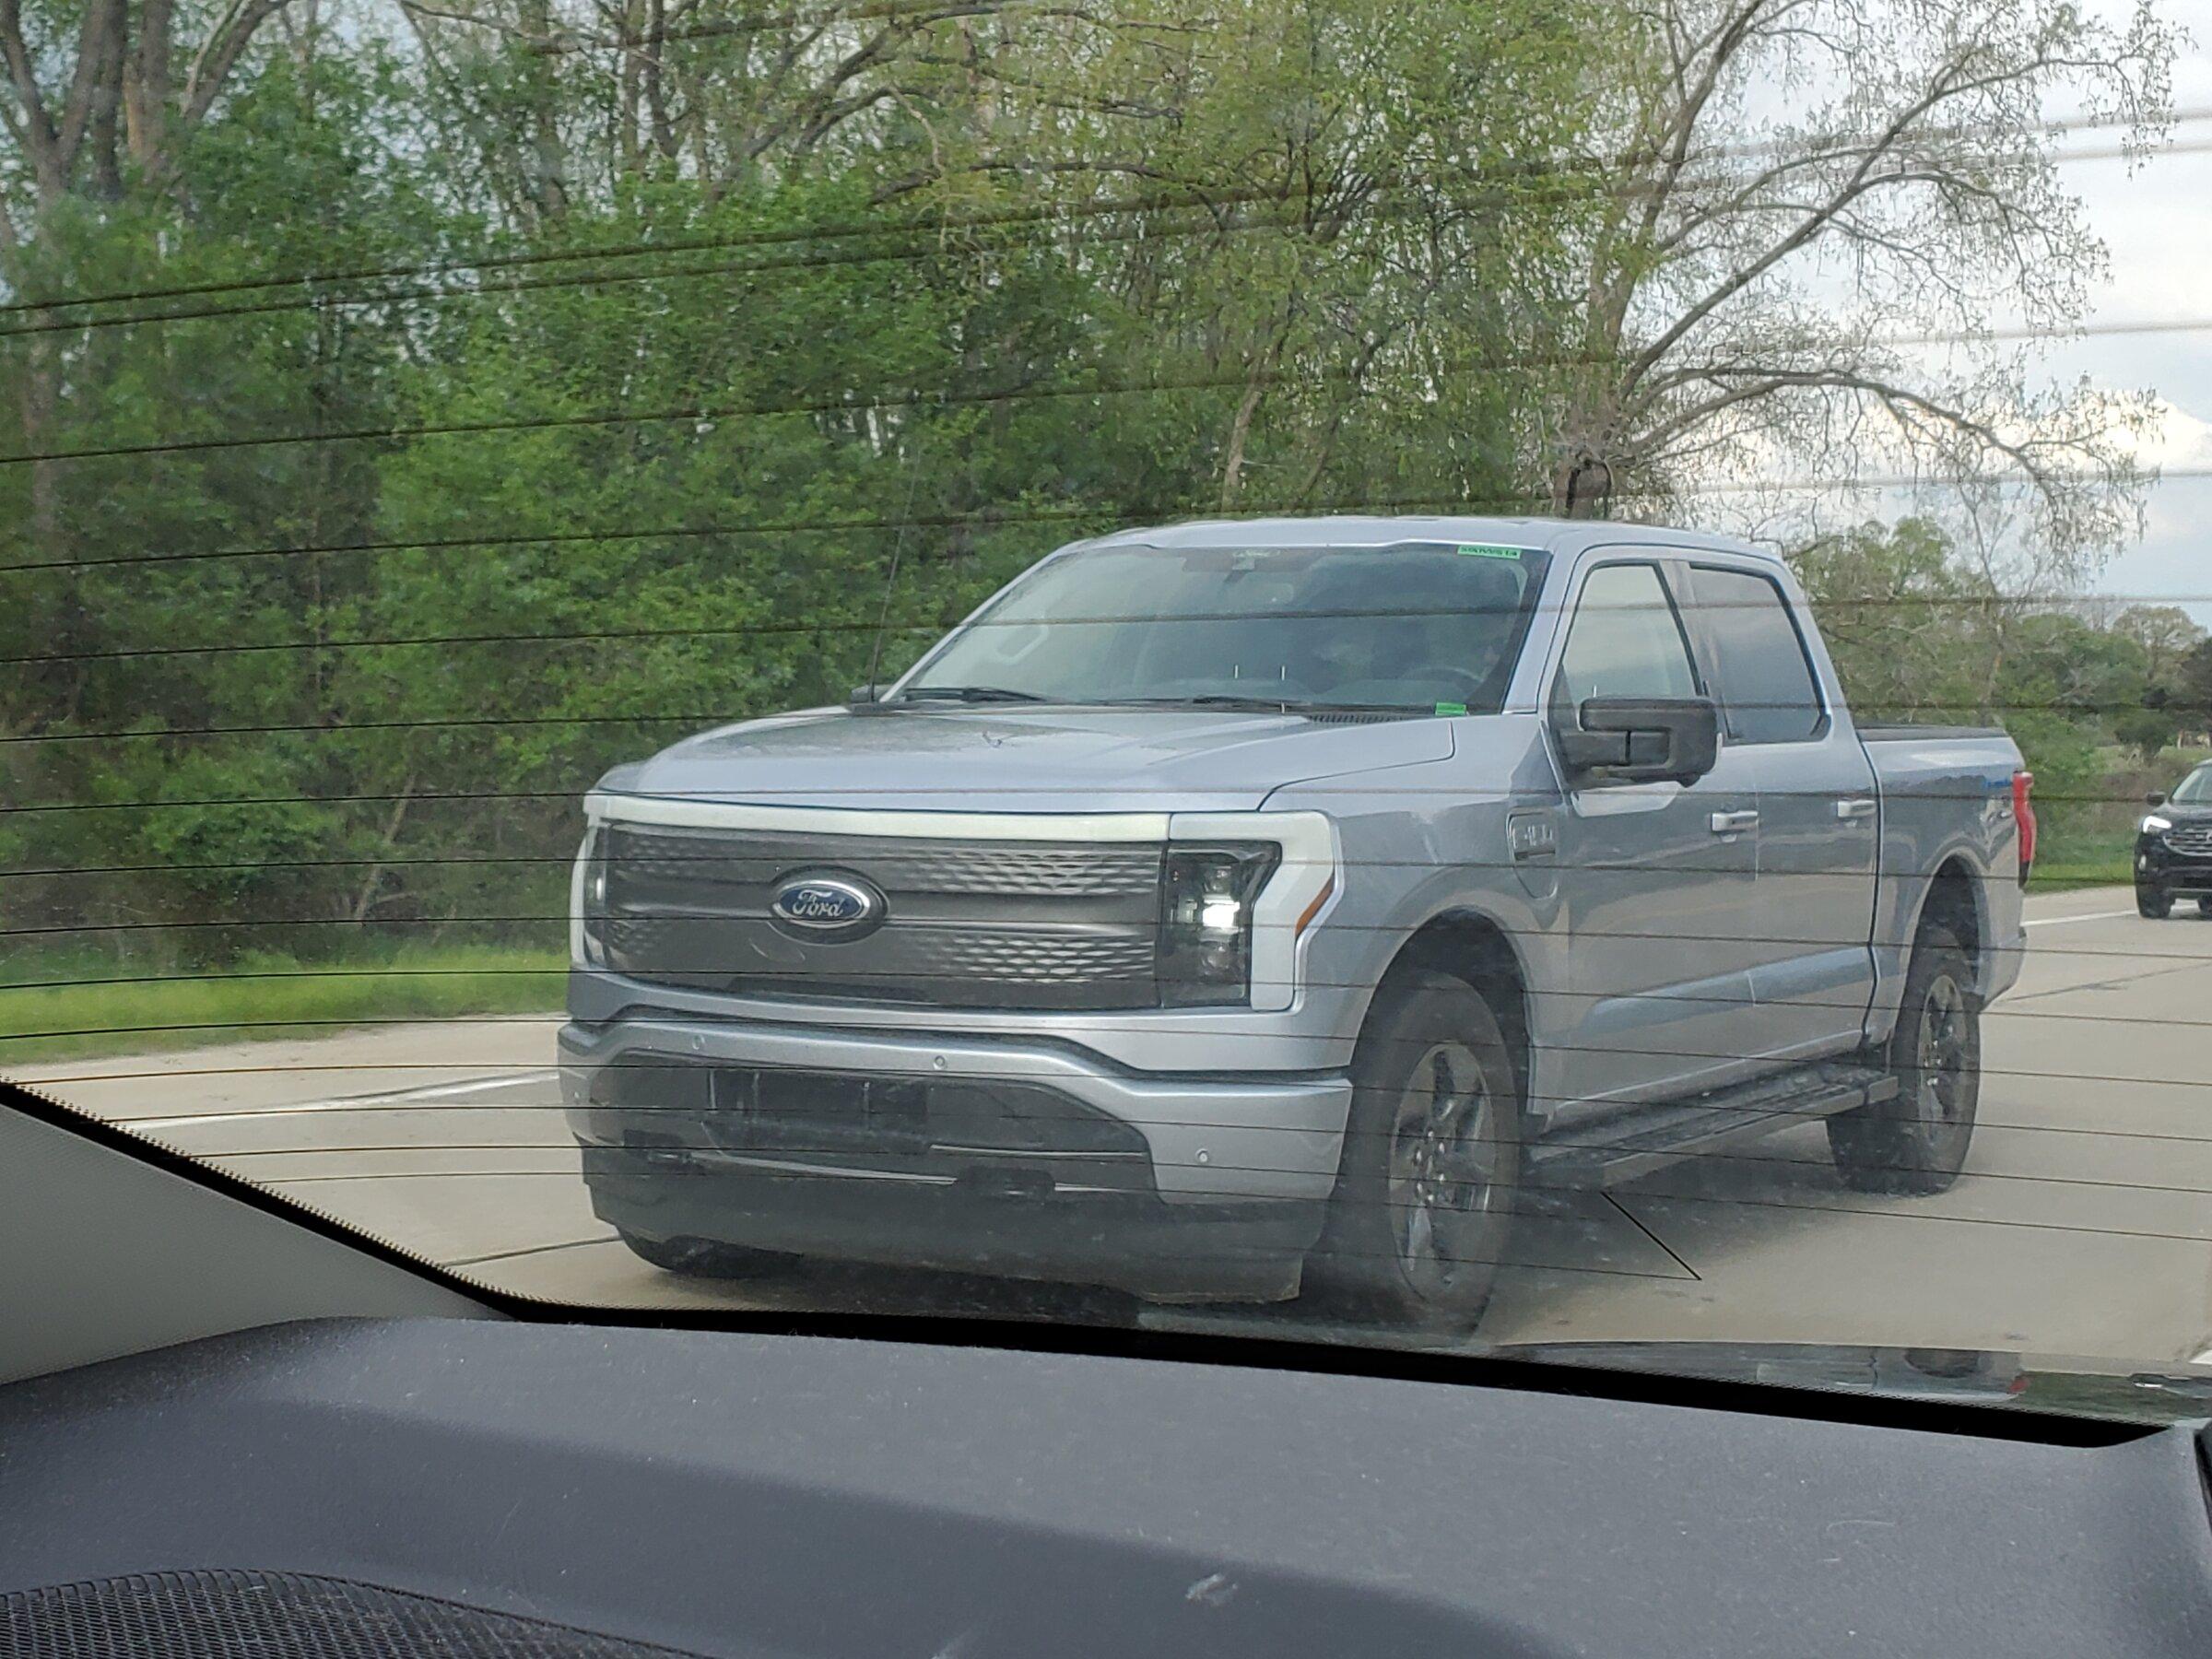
<point x="58" y="1007"/>
<point x="2078" y="862"/>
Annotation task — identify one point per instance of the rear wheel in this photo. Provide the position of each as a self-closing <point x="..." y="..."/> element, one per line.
<point x="1431" y="1156"/>
<point x="2150" y="902"/>
<point x="698" y="1258"/>
<point x="1916" y="1141"/>
<point x="2204" y="907"/>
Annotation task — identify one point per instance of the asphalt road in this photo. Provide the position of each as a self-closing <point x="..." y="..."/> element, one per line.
<point x="2082" y="1227"/>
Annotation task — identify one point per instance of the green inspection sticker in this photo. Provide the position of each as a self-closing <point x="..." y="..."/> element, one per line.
<point x="1484" y="550"/>
<point x="1450" y="707"/>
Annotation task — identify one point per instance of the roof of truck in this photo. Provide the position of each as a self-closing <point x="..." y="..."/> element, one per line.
<point x="1555" y="536"/>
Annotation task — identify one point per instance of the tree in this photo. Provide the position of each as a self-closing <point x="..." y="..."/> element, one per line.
<point x="2167" y="633"/>
<point x="2193" y="683"/>
<point x="1915" y="632"/>
<point x="1753" y="291"/>
<point x="89" y="115"/>
<point x="2146" y="730"/>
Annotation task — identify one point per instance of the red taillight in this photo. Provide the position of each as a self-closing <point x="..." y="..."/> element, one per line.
<point x="2023" y="809"/>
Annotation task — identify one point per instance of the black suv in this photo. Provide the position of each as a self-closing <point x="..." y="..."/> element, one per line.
<point x="2173" y="848"/>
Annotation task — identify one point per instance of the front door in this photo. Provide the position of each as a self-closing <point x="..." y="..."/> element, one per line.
<point x="1656" y="879"/>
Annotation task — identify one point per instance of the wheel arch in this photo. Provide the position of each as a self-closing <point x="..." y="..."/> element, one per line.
<point x="1476" y="948"/>
<point x="1954" y="898"/>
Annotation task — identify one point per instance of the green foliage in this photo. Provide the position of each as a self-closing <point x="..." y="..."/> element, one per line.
<point x="263" y="995"/>
<point x="1914" y="632"/>
<point x="1918" y="634"/>
<point x="2147" y="731"/>
<point x="2192" y="687"/>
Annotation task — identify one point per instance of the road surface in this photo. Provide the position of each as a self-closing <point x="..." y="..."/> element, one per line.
<point x="2083" y="1225"/>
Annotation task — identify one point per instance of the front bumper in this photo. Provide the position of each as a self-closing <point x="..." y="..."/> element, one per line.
<point x="1032" y="1160"/>
<point x="2160" y="869"/>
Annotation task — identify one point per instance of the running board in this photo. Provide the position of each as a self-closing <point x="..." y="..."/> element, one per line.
<point x="1644" y="1138"/>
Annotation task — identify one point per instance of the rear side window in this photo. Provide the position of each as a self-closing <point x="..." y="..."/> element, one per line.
<point x="1625" y="640"/>
<point x="1758" y="670"/>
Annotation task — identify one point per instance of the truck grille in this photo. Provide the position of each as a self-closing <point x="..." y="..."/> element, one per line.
<point x="2192" y="838"/>
<point x="999" y="924"/>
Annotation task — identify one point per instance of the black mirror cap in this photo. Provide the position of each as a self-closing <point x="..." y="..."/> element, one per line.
<point x="2157" y="798"/>
<point x="1645" y="739"/>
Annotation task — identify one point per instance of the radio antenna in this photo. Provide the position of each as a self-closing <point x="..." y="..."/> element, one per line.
<point x="890" y="580"/>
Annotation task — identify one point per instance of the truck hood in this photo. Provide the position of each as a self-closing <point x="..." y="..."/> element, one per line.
<point x="1024" y="760"/>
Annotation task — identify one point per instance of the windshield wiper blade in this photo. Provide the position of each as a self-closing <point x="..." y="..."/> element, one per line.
<point x="1208" y="700"/>
<point x="1285" y="705"/>
<point x="969" y="694"/>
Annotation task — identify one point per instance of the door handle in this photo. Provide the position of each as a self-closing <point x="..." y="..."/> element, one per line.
<point x="1850" y="811"/>
<point x="1730" y="823"/>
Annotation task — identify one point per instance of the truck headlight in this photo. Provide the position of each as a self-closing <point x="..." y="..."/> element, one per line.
<point x="1207" y="895"/>
<point x="587" y="901"/>
<point x="2154" y="824"/>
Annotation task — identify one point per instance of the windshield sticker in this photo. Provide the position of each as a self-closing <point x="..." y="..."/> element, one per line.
<point x="1450" y="707"/>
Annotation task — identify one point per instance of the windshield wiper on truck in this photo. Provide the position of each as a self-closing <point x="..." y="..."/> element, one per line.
<point x="1283" y="705"/>
<point x="966" y="694"/>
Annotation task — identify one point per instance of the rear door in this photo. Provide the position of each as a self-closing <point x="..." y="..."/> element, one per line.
<point x="1812" y="965"/>
<point x="1658" y="879"/>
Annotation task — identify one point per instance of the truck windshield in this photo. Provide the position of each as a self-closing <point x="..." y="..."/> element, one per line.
<point x="1422" y="627"/>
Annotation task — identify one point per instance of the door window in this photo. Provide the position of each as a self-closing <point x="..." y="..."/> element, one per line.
<point x="1759" y="669"/>
<point x="1626" y="640"/>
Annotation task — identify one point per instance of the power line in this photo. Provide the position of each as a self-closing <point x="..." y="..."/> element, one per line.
<point x="1207" y="224"/>
<point x="1198" y="197"/>
<point x="911" y="399"/>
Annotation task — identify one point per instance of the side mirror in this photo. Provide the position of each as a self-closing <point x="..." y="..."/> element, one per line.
<point x="1645" y="740"/>
<point x="2157" y="798"/>
<point x="862" y="696"/>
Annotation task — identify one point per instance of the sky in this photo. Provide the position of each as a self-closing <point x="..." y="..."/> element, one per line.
<point x="2148" y="328"/>
<point x="2156" y="222"/>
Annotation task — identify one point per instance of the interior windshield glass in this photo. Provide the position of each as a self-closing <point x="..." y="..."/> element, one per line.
<point x="1414" y="627"/>
<point x="1470" y="674"/>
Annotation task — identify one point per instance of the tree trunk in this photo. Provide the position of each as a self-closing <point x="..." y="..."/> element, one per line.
<point x="145" y="100"/>
<point x="1240" y="428"/>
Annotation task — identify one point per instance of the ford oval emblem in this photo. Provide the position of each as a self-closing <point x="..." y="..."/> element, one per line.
<point x="826" y="906"/>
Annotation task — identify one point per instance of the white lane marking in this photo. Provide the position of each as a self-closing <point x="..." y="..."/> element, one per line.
<point x="2062" y="921"/>
<point x="427" y="1092"/>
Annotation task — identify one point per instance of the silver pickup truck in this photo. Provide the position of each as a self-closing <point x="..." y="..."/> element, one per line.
<point x="1240" y="905"/>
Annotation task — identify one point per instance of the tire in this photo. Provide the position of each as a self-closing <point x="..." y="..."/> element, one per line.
<point x="2204" y="907"/>
<point x="2150" y="902"/>
<point x="1916" y="1141"/>
<point x="1421" y="1213"/>
<point x="697" y="1258"/>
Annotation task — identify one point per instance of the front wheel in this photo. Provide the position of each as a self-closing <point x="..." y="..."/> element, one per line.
<point x="2150" y="902"/>
<point x="1916" y="1141"/>
<point x="1418" y="1223"/>
<point x="2204" y="907"/>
